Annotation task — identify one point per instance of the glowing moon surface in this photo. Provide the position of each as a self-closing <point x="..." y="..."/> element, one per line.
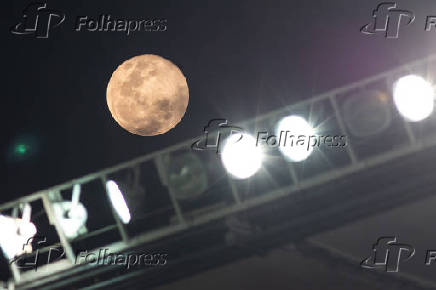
<point x="147" y="95"/>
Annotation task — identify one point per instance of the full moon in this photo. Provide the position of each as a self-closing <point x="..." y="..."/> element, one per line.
<point x="147" y="95"/>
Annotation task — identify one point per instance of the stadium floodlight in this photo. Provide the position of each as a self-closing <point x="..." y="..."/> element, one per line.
<point x="241" y="156"/>
<point x="16" y="233"/>
<point x="414" y="97"/>
<point x="367" y="112"/>
<point x="296" y="132"/>
<point x="187" y="176"/>
<point x="118" y="202"/>
<point x="71" y="215"/>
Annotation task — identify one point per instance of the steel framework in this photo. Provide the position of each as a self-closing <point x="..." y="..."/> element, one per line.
<point x="186" y="221"/>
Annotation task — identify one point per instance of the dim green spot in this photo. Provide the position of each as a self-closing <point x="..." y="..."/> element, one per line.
<point x="21" y="149"/>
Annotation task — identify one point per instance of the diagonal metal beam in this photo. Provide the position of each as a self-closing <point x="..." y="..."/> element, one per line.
<point x="350" y="265"/>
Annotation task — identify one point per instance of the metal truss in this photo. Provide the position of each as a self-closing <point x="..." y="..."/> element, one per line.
<point x="186" y="221"/>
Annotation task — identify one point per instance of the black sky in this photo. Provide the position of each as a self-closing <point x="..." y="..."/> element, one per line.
<point x="241" y="58"/>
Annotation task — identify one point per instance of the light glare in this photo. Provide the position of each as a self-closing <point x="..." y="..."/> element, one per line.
<point x="72" y="218"/>
<point x="414" y="97"/>
<point x="240" y="156"/>
<point x="15" y="234"/>
<point x="118" y="203"/>
<point x="293" y="127"/>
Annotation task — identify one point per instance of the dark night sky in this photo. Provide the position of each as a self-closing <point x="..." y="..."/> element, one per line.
<point x="241" y="58"/>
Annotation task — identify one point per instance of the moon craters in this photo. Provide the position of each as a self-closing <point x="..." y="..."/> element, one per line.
<point x="147" y="95"/>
